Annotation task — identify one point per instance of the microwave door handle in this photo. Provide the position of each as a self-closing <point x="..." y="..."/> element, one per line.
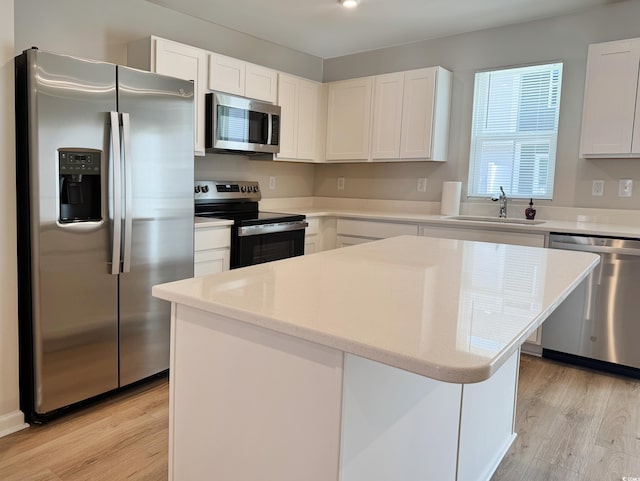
<point x="269" y="128"/>
<point x="117" y="192"/>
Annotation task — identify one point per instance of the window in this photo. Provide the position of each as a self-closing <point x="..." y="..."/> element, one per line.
<point x="514" y="131"/>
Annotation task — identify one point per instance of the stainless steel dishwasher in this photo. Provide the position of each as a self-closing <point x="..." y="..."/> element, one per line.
<point x="599" y="324"/>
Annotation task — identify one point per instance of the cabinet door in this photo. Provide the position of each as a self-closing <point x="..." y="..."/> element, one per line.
<point x="374" y="229"/>
<point x="226" y="74"/>
<point x="418" y="114"/>
<point x="307" y="123"/>
<point x="310" y="244"/>
<point x="346" y="241"/>
<point x="349" y="119"/>
<point x="482" y="235"/>
<point x="187" y="63"/>
<point x="387" y="116"/>
<point x="211" y="261"/>
<point x="288" y="101"/>
<point x="610" y="98"/>
<point x="261" y="83"/>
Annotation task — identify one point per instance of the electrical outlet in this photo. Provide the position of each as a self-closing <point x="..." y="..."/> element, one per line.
<point x="625" y="188"/>
<point x="272" y="183"/>
<point x="597" y="188"/>
<point x="340" y="183"/>
<point x="422" y="184"/>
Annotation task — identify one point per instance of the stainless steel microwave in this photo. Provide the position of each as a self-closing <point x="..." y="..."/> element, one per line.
<point x="241" y="125"/>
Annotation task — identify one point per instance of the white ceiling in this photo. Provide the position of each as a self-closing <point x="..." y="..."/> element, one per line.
<point x="326" y="29"/>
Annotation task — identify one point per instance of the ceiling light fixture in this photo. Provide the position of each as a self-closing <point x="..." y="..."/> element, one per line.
<point x="349" y="3"/>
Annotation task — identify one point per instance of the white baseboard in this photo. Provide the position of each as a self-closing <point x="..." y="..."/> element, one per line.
<point x="12" y="422"/>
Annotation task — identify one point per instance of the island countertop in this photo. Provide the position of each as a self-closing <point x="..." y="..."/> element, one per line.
<point x="450" y="310"/>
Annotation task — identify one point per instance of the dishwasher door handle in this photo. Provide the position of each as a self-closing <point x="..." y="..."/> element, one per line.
<point x="595" y="249"/>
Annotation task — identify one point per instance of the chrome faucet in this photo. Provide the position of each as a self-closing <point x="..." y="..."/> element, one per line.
<point x="503" y="203"/>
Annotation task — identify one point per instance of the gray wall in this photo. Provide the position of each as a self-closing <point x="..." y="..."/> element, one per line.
<point x="562" y="38"/>
<point x="101" y="29"/>
<point x="11" y="418"/>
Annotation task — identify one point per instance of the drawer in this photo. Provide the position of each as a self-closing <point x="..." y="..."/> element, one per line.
<point x="373" y="229"/>
<point x="212" y="238"/>
<point x="313" y="227"/>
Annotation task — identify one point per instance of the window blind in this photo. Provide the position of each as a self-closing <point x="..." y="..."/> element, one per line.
<point x="514" y="131"/>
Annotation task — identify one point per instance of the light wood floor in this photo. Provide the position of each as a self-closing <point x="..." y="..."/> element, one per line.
<point x="121" y="438"/>
<point x="572" y="424"/>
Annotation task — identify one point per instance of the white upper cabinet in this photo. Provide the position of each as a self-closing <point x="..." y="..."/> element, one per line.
<point x="288" y="102"/>
<point x="425" y="114"/>
<point x="230" y="75"/>
<point x="261" y="83"/>
<point x="611" y="111"/>
<point x="349" y="119"/>
<point x="226" y="74"/>
<point x="408" y="115"/>
<point x="176" y="60"/>
<point x="387" y="116"/>
<point x="299" y="100"/>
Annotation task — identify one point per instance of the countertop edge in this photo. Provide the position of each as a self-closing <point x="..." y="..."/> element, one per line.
<point x="548" y="226"/>
<point x="433" y="370"/>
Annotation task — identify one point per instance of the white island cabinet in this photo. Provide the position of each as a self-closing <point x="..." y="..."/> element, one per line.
<point x="391" y="360"/>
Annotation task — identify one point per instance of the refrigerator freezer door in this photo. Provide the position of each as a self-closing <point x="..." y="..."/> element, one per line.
<point x="73" y="293"/>
<point x="158" y="237"/>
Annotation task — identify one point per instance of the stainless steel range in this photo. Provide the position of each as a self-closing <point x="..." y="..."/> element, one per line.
<point x="256" y="236"/>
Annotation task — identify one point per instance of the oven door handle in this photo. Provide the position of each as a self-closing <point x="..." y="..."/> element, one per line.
<point x="274" y="228"/>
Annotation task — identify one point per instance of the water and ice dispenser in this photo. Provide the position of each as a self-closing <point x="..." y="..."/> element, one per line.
<point x="80" y="186"/>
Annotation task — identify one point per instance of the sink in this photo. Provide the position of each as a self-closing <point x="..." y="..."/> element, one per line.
<point x="497" y="220"/>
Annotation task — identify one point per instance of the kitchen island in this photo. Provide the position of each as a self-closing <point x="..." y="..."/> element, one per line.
<point x="396" y="359"/>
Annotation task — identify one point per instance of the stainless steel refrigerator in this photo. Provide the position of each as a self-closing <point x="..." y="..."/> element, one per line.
<point x="105" y="210"/>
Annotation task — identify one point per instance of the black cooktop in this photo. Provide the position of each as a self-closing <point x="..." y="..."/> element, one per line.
<point x="245" y="214"/>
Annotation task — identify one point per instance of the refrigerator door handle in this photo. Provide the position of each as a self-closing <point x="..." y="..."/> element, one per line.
<point x="128" y="198"/>
<point x="117" y="192"/>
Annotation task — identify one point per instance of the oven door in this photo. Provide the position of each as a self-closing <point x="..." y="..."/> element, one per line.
<point x="256" y="244"/>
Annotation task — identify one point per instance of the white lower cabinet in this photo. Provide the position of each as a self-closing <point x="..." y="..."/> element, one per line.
<point x="354" y="231"/>
<point x="312" y="237"/>
<point x="212" y="250"/>
<point x="482" y="235"/>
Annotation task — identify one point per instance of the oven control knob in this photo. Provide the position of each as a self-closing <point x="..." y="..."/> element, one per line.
<point x="243" y="189"/>
<point x="256" y="188"/>
<point x="197" y="189"/>
<point x="205" y="188"/>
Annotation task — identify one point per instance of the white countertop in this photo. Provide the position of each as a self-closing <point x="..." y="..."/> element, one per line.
<point x="548" y="225"/>
<point x="203" y="222"/>
<point x="447" y="309"/>
<point x="604" y="222"/>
